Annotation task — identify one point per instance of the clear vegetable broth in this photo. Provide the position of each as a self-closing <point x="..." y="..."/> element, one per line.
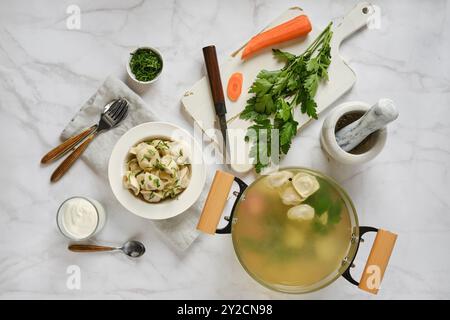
<point x="279" y="250"/>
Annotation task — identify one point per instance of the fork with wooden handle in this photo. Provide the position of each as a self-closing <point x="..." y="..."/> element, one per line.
<point x="110" y="117"/>
<point x="66" y="146"/>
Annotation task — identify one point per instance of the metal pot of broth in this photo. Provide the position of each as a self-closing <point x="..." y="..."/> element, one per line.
<point x="295" y="230"/>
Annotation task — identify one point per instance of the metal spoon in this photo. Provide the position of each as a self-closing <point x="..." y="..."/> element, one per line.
<point x="132" y="248"/>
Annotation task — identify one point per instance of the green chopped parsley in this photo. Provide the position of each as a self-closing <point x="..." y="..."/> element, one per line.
<point x="145" y="64"/>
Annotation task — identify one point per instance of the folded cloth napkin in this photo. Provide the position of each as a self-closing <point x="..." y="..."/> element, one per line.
<point x="180" y="230"/>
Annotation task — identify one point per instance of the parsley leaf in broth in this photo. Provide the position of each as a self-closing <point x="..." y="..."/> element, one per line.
<point x="324" y="201"/>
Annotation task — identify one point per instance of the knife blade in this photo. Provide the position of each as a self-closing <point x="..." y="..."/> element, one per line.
<point x="215" y="83"/>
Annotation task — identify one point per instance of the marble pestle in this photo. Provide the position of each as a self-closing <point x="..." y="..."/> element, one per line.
<point x="377" y="117"/>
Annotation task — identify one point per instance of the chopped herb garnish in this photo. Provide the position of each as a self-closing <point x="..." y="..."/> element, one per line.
<point x="159" y="165"/>
<point x="145" y="64"/>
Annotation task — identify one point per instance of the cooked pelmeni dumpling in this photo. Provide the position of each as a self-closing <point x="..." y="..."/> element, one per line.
<point x="169" y="164"/>
<point x="152" y="196"/>
<point x="149" y="182"/>
<point x="183" y="178"/>
<point x="147" y="156"/>
<point x="301" y="212"/>
<point x="178" y="151"/>
<point x="135" y="149"/>
<point x="141" y="179"/>
<point x="172" y="192"/>
<point x="166" y="177"/>
<point x="133" y="165"/>
<point x="277" y="179"/>
<point x="290" y="197"/>
<point x="130" y="182"/>
<point x="305" y="184"/>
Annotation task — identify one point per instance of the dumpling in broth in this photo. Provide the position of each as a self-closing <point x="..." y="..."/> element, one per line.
<point x="130" y="182"/>
<point x="149" y="182"/>
<point x="305" y="184"/>
<point x="152" y="196"/>
<point x="277" y="179"/>
<point x="183" y="178"/>
<point x="301" y="212"/>
<point x="169" y="165"/>
<point x="161" y="145"/>
<point x="133" y="165"/>
<point x="289" y="196"/>
<point x="147" y="155"/>
<point x="178" y="152"/>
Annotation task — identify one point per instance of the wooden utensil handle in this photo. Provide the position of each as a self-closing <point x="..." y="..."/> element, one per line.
<point x="377" y="261"/>
<point x="215" y="202"/>
<point x="69" y="161"/>
<point x="215" y="83"/>
<point x="89" y="248"/>
<point x="60" y="150"/>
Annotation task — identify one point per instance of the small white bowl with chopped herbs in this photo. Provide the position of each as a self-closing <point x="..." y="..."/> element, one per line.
<point x="144" y="65"/>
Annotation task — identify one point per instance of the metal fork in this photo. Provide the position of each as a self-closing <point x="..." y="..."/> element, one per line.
<point x="108" y="119"/>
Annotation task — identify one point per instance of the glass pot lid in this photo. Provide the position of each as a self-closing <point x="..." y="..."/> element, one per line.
<point x="295" y="230"/>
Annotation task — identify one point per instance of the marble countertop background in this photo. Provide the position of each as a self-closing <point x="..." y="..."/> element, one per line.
<point x="48" y="71"/>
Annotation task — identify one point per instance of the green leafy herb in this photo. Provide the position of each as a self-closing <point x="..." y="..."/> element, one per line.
<point x="325" y="201"/>
<point x="145" y="64"/>
<point x="277" y="93"/>
<point x="158" y="165"/>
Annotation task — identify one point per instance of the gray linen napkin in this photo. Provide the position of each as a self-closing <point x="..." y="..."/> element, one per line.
<point x="180" y="230"/>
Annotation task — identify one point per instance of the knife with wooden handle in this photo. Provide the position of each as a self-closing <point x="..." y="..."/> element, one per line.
<point x="66" y="146"/>
<point x="215" y="83"/>
<point x="69" y="161"/>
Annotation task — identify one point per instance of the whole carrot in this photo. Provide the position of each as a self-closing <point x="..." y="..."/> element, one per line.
<point x="294" y="28"/>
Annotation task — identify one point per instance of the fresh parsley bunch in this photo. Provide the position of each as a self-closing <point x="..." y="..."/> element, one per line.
<point x="277" y="93"/>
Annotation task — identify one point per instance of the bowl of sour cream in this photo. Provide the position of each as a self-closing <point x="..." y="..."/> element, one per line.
<point x="79" y="218"/>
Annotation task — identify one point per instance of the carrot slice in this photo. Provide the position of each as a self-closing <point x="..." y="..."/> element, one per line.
<point x="291" y="29"/>
<point x="234" y="87"/>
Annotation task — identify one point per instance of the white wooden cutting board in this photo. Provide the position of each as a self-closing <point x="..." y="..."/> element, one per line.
<point x="198" y="100"/>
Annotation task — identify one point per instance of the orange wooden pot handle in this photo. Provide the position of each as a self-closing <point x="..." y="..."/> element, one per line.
<point x="215" y="202"/>
<point x="377" y="261"/>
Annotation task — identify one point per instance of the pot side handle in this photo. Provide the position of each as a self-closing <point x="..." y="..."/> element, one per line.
<point x="215" y="202"/>
<point x="376" y="262"/>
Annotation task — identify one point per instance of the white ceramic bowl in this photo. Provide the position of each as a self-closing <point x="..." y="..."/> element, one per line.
<point x="169" y="207"/>
<point x="131" y="74"/>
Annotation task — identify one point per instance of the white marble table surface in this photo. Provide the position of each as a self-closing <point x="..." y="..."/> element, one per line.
<point x="48" y="71"/>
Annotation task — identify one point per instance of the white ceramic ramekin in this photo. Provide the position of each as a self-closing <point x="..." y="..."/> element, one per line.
<point x="131" y="74"/>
